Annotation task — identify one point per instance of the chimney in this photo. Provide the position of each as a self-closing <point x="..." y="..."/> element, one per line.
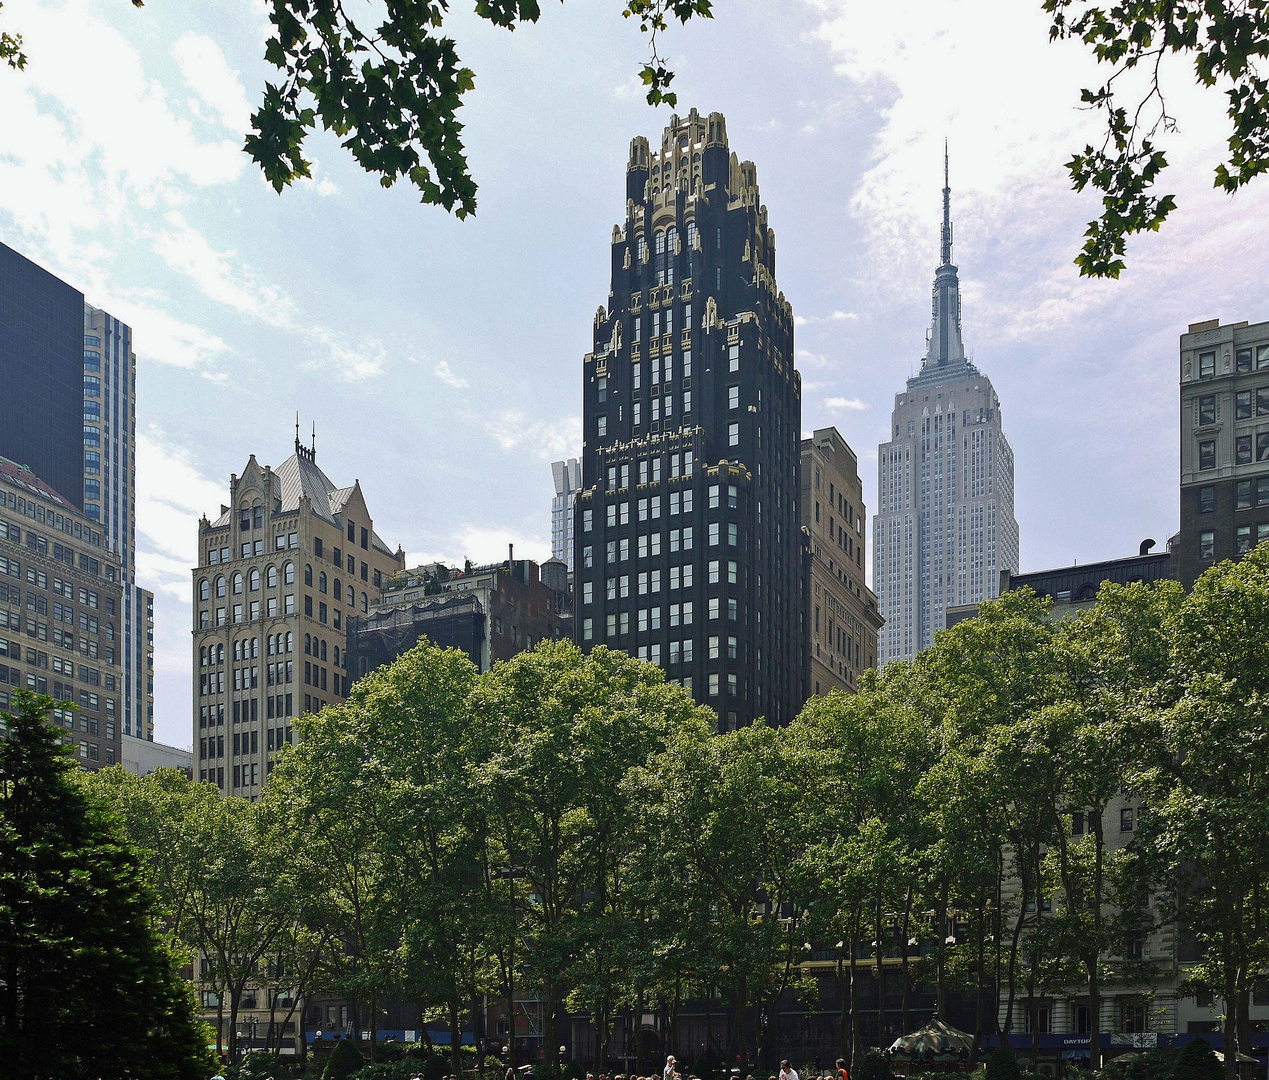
<point x="1146" y="545"/>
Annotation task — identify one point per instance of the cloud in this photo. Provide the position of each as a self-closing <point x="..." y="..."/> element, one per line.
<point x="551" y="440"/>
<point x="850" y="404"/>
<point x="836" y="316"/>
<point x="485" y="545"/>
<point x="208" y="74"/>
<point x="443" y="372"/>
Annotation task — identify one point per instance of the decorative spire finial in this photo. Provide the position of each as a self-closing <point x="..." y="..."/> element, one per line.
<point x="297" y="429"/>
<point x="946" y="254"/>
<point x="314" y="440"/>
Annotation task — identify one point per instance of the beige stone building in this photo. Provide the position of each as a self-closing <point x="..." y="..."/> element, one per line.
<point x="61" y="614"/>
<point x="843" y="611"/>
<point x="280" y="571"/>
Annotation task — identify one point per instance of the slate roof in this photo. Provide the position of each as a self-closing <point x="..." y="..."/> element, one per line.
<point x="298" y="476"/>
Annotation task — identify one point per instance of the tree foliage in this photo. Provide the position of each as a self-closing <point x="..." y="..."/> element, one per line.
<point x="90" y="988"/>
<point x="1225" y="41"/>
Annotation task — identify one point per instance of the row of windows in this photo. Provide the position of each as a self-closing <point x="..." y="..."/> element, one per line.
<point x="1243" y="449"/>
<point x="1243" y="361"/>
<point x="33" y="510"/>
<point x="281" y="542"/>
<point x="1245" y="538"/>
<point x="252" y="581"/>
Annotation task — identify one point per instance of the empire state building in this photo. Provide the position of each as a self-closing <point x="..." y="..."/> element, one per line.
<point x="945" y="526"/>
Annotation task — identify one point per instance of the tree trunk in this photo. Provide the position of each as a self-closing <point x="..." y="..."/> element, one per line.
<point x="736" y="1042"/>
<point x="638" y="1031"/>
<point x="550" y="1026"/>
<point x="1093" y="957"/>
<point x="940" y="997"/>
<point x="903" y="957"/>
<point x="843" y="1029"/>
<point x="1231" y="1016"/>
<point x="982" y="977"/>
<point x="856" y="1021"/>
<point x="455" y="1037"/>
<point x="880" y="954"/>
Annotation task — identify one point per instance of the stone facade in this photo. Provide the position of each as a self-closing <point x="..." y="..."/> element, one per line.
<point x="1224" y="444"/>
<point x="61" y="604"/>
<point x="280" y="570"/>
<point x="945" y="526"/>
<point x="843" y="610"/>
<point x="689" y="550"/>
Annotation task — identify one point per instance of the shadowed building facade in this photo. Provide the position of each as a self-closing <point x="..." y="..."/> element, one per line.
<point x="688" y="547"/>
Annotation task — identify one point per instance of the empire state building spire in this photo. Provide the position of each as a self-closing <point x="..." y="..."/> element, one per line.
<point x="945" y="345"/>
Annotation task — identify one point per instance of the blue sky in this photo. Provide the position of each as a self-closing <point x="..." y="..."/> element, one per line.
<point x="441" y="359"/>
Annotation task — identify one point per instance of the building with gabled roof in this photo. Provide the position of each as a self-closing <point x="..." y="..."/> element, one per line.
<point x="290" y="559"/>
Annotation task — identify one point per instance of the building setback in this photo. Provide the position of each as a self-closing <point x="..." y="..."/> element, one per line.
<point x="490" y="612"/>
<point x="567" y="476"/>
<point x="843" y="610"/>
<point x="688" y="548"/>
<point x="60" y="604"/>
<point x="289" y="559"/>
<point x="944" y="527"/>
<point x="109" y="482"/>
<point x="1224" y="444"/>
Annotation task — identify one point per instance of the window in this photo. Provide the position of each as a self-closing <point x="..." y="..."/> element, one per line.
<point x="1242" y="405"/>
<point x="1244" y="360"/>
<point x="1262" y="532"/>
<point x="288" y="574"/>
<point x="1126" y="819"/>
<point x="733" y="397"/>
<point x="1207" y="454"/>
<point x="601" y="426"/>
<point x="1207" y="545"/>
<point x="733" y="434"/>
<point x="1262" y="445"/>
<point x="1207" y="409"/>
<point x="713" y="684"/>
<point x="1242" y="541"/>
<point x="1262" y="357"/>
<point x="1207" y="365"/>
<point x="733" y="357"/>
<point x="1262" y="401"/>
<point x="601" y="388"/>
<point x="1207" y="499"/>
<point x="1242" y="450"/>
<point x="1262" y="490"/>
<point x="714" y="533"/>
<point x="1242" y="496"/>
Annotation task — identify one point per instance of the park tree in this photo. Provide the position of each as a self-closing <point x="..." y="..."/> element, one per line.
<point x="90" y="988"/>
<point x="1208" y="795"/>
<point x="566" y="729"/>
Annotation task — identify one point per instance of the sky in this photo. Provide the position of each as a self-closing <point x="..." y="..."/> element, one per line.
<point x="441" y="360"/>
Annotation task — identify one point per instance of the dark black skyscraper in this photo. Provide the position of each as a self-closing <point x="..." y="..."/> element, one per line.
<point x="688" y="550"/>
<point x="42" y="374"/>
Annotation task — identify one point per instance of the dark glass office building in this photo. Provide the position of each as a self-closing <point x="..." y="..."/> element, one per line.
<point x="688" y="551"/>
<point x="42" y="374"/>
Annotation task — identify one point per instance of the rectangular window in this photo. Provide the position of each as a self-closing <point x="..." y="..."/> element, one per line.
<point x="713" y="684"/>
<point x="1262" y="445"/>
<point x="733" y="397"/>
<point x="1207" y="365"/>
<point x="1244" y="360"/>
<point x="1207" y="409"/>
<point x="635" y="376"/>
<point x="713" y="496"/>
<point x="1242" y="405"/>
<point x="714" y="533"/>
<point x="1262" y="491"/>
<point x="1262" y="532"/>
<point x="1207" y="499"/>
<point x="1207" y="454"/>
<point x="733" y="357"/>
<point x="1262" y="357"/>
<point x="1126" y="819"/>
<point x="1242" y="496"/>
<point x="713" y="573"/>
<point x="1207" y="545"/>
<point x="1242" y="540"/>
<point x="588" y="629"/>
<point x="733" y="434"/>
<point x="715" y="607"/>
<point x="1242" y="450"/>
<point x="687" y="369"/>
<point x="1262" y="401"/>
<point x="601" y="426"/>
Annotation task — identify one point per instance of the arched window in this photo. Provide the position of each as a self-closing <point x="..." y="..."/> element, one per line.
<point x="220" y="653"/>
<point x="321" y="582"/>
<point x="308" y="574"/>
<point x="220" y="586"/>
<point x="308" y="644"/>
<point x="643" y="249"/>
<point x="237" y="584"/>
<point x="671" y="242"/>
<point x="289" y="641"/>
<point x="237" y="651"/>
<point x="253" y="581"/>
<point x="339" y="585"/>
<point x="288" y="574"/>
<point x="658" y="262"/>
<point x="204" y="589"/>
<point x="271" y="577"/>
<point x="202" y="656"/>
<point x="365" y="603"/>
<point x="323" y="648"/>
<point x="352" y="595"/>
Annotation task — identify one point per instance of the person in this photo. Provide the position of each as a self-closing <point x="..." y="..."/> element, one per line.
<point x="787" y="1071"/>
<point x="670" y="1068"/>
<point x="843" y="1073"/>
